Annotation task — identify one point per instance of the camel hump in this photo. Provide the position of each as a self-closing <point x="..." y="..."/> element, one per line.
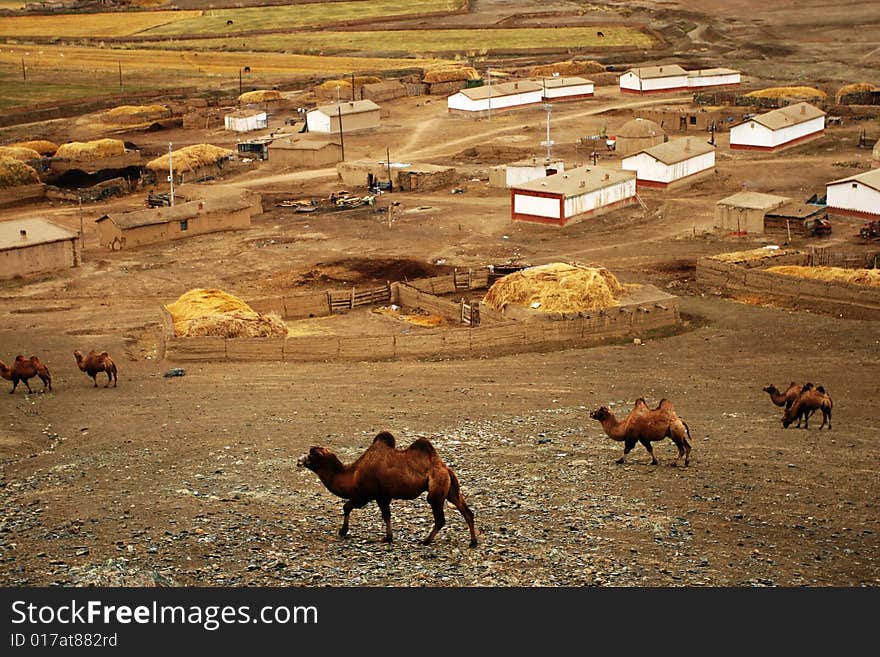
<point x="665" y="405"/>
<point x="386" y="438"/>
<point x="424" y="445"/>
<point x="820" y="389"/>
<point x="20" y="358"/>
<point x="104" y="354"/>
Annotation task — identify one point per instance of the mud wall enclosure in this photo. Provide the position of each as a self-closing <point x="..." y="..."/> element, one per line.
<point x="644" y="310"/>
<point x="747" y="279"/>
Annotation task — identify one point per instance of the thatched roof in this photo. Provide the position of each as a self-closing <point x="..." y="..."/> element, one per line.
<point x="42" y="146"/>
<point x="139" y="111"/>
<point x="19" y="153"/>
<point x="568" y="68"/>
<point x="90" y="150"/>
<point x="260" y="96"/>
<point x="787" y="92"/>
<point x="14" y="173"/>
<point x="848" y="89"/>
<point x="190" y="158"/>
<point x="451" y="74"/>
<point x="359" y="81"/>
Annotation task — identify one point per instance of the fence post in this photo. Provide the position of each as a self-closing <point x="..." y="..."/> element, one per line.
<point x="351" y="303"/>
<point x="329" y="302"/>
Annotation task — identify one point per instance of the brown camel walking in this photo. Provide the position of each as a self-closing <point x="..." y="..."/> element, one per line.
<point x="94" y="363"/>
<point x="23" y="369"/>
<point x="811" y="399"/>
<point x="645" y="425"/>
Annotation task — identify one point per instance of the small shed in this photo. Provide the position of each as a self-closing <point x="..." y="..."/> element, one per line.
<point x="637" y="135"/>
<point x="558" y="89"/>
<point x="381" y="91"/>
<point x="714" y="77"/>
<point x="674" y="163"/>
<point x="573" y="196"/>
<point x="667" y="78"/>
<point x="127" y="230"/>
<point x="744" y="212"/>
<point x="523" y="171"/>
<point x="856" y="196"/>
<point x="479" y="101"/>
<point x="256" y="149"/>
<point x="354" y="115"/>
<point x="304" y="154"/>
<point x="405" y="176"/>
<point x="36" y="246"/>
<point x="246" y="120"/>
<point x="779" y="128"/>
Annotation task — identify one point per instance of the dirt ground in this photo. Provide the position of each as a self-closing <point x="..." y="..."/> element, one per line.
<point x="192" y="480"/>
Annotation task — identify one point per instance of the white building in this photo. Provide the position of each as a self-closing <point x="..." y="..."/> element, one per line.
<point x="572" y="196"/>
<point x="779" y="129"/>
<point x="523" y="171"/>
<point x="855" y="196"/>
<point x="246" y="120"/>
<point x="354" y="115"/>
<point x="678" y="161"/>
<point x="481" y="100"/>
<point x="654" y="79"/>
<point x="562" y="89"/>
<point x="713" y="77"/>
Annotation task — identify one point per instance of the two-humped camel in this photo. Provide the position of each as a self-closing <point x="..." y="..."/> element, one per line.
<point x="646" y="425"/>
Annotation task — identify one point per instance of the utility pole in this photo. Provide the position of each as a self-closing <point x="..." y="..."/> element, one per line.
<point x="23" y="71"/>
<point x="341" y="138"/>
<point x="82" y="233"/>
<point x="121" y="90"/>
<point x="352" y="87"/>
<point x="171" y="173"/>
<point x="239" y="81"/>
<point x="548" y="143"/>
<point x="390" y="184"/>
<point x="489" y="78"/>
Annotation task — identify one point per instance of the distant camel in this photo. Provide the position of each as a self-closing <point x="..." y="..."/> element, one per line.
<point x="810" y="400"/>
<point x="23" y="369"/>
<point x="95" y="363"/>
<point x="645" y="425"/>
<point x="384" y="473"/>
<point x="786" y="398"/>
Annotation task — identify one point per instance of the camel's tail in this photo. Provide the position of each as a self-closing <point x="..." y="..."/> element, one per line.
<point x="687" y="431"/>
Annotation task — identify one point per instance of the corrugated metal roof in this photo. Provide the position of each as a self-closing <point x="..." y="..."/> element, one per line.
<point x="705" y="72"/>
<point x="180" y="212"/>
<point x="350" y="107"/>
<point x="677" y="150"/>
<point x="576" y="182"/>
<point x="788" y="116"/>
<point x="868" y="178"/>
<point x="664" y="71"/>
<point x="503" y="89"/>
<point x="754" y="200"/>
<point x="561" y="83"/>
<point x="39" y="231"/>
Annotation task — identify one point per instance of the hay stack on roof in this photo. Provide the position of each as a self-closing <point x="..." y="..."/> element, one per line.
<point x="14" y="173"/>
<point x="19" y="153"/>
<point x="260" y="96"/>
<point x="190" y="158"/>
<point x="869" y="277"/>
<point x="41" y="146"/>
<point x="788" y="92"/>
<point x="359" y="81"/>
<point x="211" y="312"/>
<point x="142" y="112"/>
<point x="568" y="68"/>
<point x="90" y="150"/>
<point x="451" y="74"/>
<point x="557" y="287"/>
<point x="857" y="88"/>
<point x="751" y="255"/>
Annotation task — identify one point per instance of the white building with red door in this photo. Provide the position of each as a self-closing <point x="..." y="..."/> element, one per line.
<point x="654" y="79"/>
<point x="855" y="196"/>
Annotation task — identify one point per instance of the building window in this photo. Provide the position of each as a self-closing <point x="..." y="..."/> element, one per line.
<point x="184" y="225"/>
<point x="855" y="185"/>
<point x="693" y="120"/>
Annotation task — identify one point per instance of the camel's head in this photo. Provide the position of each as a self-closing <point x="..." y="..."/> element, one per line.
<point x="602" y="413"/>
<point x="317" y="457"/>
<point x="20" y="359"/>
<point x="771" y="389"/>
<point x="78" y="355"/>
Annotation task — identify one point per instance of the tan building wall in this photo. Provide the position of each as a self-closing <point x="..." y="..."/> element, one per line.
<point x="20" y="193"/>
<point x="735" y="219"/>
<point x="628" y="145"/>
<point x="116" y="239"/>
<point x="39" y="258"/>
<point x="305" y="158"/>
<point x="352" y="122"/>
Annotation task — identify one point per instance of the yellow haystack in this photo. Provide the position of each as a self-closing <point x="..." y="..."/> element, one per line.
<point x="557" y="287"/>
<point x="90" y="150"/>
<point x="787" y="92"/>
<point x="750" y="255"/>
<point x="137" y="111"/>
<point x="451" y="74"/>
<point x="869" y="277"/>
<point x="190" y="158"/>
<point x="41" y="146"/>
<point x="856" y="88"/>
<point x="211" y="312"/>
<point x="566" y="69"/>
<point x="418" y="318"/>
<point x="359" y="81"/>
<point x="260" y="96"/>
<point x="19" y="153"/>
<point x="14" y="173"/>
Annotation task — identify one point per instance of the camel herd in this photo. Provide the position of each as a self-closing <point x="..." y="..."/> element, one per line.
<point x="800" y="402"/>
<point x="23" y="369"/>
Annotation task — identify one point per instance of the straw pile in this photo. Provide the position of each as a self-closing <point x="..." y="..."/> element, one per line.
<point x="787" y="92"/>
<point x="211" y="312"/>
<point x="90" y="150"/>
<point x="259" y="96"/>
<point x="418" y="318"/>
<point x="557" y="287"/>
<point x="137" y="112"/>
<point x="190" y="158"/>
<point x="566" y="69"/>
<point x="752" y="254"/>
<point x="359" y="81"/>
<point x="451" y="74"/>
<point x="42" y="146"/>
<point x="856" y="88"/>
<point x="869" y="277"/>
<point x="14" y="173"/>
<point x="19" y="153"/>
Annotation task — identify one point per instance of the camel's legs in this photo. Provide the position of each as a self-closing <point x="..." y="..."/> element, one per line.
<point x="14" y="385"/>
<point x="826" y="415"/>
<point x="647" y="445"/>
<point x="385" y="508"/>
<point x="627" y="448"/>
<point x="436" y="502"/>
<point x="456" y="498"/>
<point x="109" y="378"/>
<point x="346" y="511"/>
